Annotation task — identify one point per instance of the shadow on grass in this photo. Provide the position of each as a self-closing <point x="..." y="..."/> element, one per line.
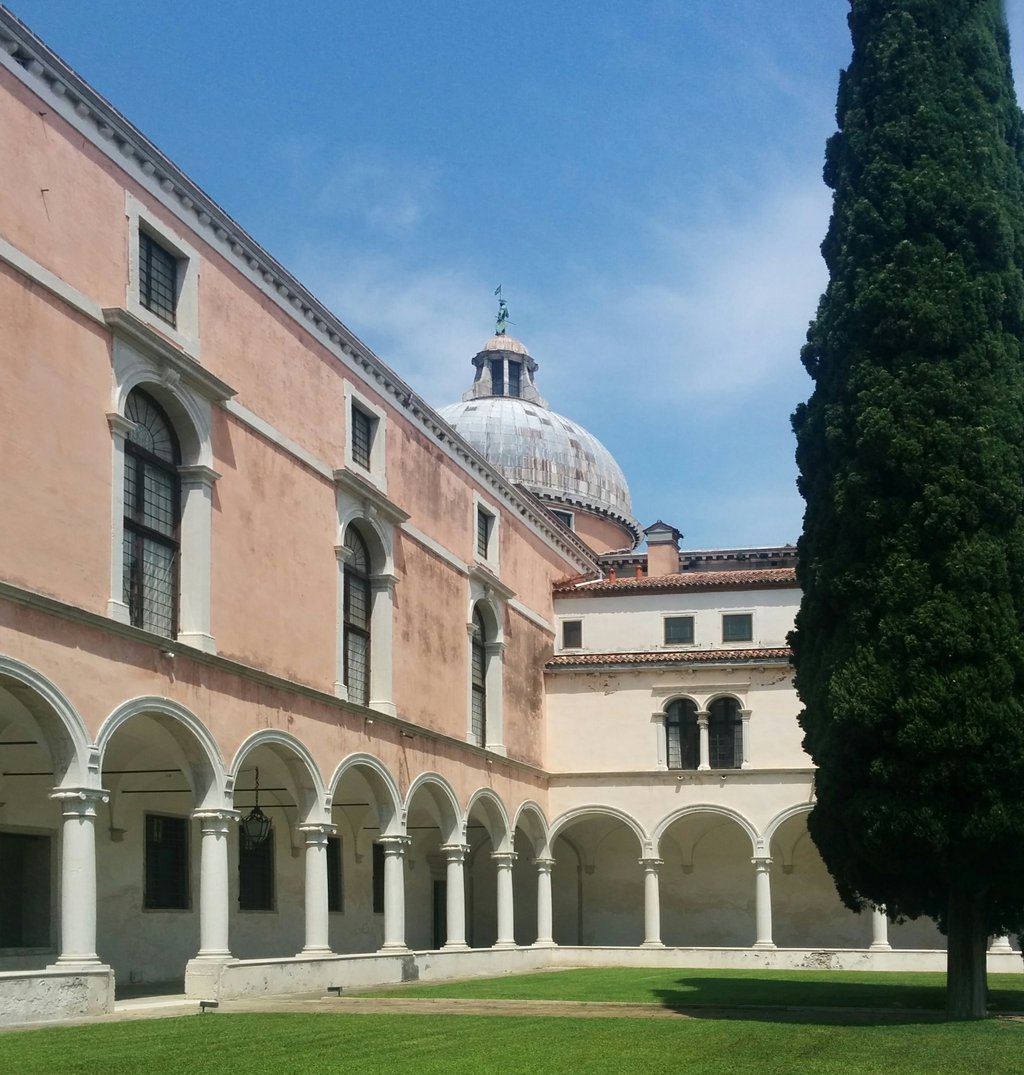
<point x="797" y="1000"/>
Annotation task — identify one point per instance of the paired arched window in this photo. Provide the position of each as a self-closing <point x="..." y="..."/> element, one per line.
<point x="152" y="514"/>
<point x="720" y="740"/>
<point x="682" y="735"/>
<point x="478" y="679"/>
<point x="356" y="617"/>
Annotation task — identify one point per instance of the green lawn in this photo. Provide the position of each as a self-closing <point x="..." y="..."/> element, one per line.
<point x="221" y="1044"/>
<point x="677" y="988"/>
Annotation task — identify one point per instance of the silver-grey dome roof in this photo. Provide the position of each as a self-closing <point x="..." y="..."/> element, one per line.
<point x="551" y="455"/>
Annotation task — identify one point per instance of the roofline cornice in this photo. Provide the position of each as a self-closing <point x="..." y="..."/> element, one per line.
<point x="46" y="75"/>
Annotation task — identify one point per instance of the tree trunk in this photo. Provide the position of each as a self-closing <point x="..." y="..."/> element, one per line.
<point x="966" y="971"/>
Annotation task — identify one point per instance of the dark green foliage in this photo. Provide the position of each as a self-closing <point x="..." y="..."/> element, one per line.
<point x="909" y="643"/>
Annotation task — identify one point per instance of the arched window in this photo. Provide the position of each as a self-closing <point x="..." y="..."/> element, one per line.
<point x="356" y="614"/>
<point x="152" y="512"/>
<point x="725" y="734"/>
<point x="478" y="679"/>
<point x="682" y="734"/>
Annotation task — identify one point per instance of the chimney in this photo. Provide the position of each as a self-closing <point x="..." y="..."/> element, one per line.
<point x="662" y="549"/>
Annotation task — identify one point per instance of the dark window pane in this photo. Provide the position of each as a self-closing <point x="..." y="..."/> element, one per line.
<point x="378" y="878"/>
<point x="737" y="627"/>
<point x="682" y="735"/>
<point x="158" y="279"/>
<point x="498" y="376"/>
<point x="678" y="629"/>
<point x="167" y="882"/>
<point x="362" y="437"/>
<point x="725" y="734"/>
<point x="334" y="885"/>
<point x="514" y="378"/>
<point x="24" y="890"/>
<point x="478" y="676"/>
<point x="357" y="612"/>
<point x="256" y="875"/>
<point x="565" y="518"/>
<point x="484" y="523"/>
<point x="572" y="634"/>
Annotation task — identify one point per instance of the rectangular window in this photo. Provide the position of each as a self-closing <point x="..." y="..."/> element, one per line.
<point x="572" y="634"/>
<point x="256" y="875"/>
<point x="158" y="279"/>
<point x="678" y="630"/>
<point x="24" y="890"/>
<point x="378" y="878"/>
<point x="335" y="897"/>
<point x="514" y="379"/>
<point x="497" y="376"/>
<point x="484" y="523"/>
<point x="362" y="436"/>
<point x="566" y="518"/>
<point x="167" y="880"/>
<point x="737" y="627"/>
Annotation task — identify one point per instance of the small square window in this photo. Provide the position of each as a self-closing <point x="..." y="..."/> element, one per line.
<point x="678" y="630"/>
<point x="737" y="627"/>
<point x="363" y="426"/>
<point x="484" y="525"/>
<point x="566" y="518"/>
<point x="158" y="279"/>
<point x="572" y="634"/>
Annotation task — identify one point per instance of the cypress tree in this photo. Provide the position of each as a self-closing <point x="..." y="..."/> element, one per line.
<point x="909" y="642"/>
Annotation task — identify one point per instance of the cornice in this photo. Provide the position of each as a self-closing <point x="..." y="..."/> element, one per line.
<point x="75" y="101"/>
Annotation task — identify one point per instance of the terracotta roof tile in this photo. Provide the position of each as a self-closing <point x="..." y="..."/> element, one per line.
<point x="768" y="578"/>
<point x="701" y="656"/>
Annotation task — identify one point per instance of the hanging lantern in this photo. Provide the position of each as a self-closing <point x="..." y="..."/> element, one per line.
<point x="256" y="825"/>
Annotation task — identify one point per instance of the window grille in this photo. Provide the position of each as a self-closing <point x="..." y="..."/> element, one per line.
<point x="678" y="630"/>
<point x="362" y="437"/>
<point x="478" y="675"/>
<point x="166" y="882"/>
<point x="356" y="616"/>
<point x="572" y="634"/>
<point x="682" y="735"/>
<point x="725" y="734"/>
<point x="256" y="875"/>
<point x="152" y="505"/>
<point x="158" y="279"/>
<point x="484" y="525"/>
<point x="737" y="627"/>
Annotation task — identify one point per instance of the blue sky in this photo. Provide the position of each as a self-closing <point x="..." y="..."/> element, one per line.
<point x="643" y="179"/>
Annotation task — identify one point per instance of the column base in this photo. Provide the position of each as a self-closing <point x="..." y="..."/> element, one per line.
<point x="455" y="946"/>
<point x="546" y="943"/>
<point x="764" y="946"/>
<point x="390" y="949"/>
<point x="1001" y="949"/>
<point x="880" y="948"/>
<point x="86" y="962"/>
<point x="653" y="944"/>
<point x="504" y="944"/>
<point x="214" y="955"/>
<point x="319" y="951"/>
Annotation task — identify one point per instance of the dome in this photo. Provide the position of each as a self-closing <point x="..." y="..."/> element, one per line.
<point x="551" y="455"/>
<point x="504" y="343"/>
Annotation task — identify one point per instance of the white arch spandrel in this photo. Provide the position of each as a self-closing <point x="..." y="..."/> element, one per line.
<point x="310" y="792"/>
<point x="381" y="783"/>
<point x="708" y="808"/>
<point x="452" y="821"/>
<point x="581" y="813"/>
<point x="497" y="821"/>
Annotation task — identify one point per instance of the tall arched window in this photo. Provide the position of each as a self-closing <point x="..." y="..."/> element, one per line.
<point x="725" y="734"/>
<point x="357" y="608"/>
<point x="478" y="679"/>
<point x="152" y="512"/>
<point x="682" y="734"/>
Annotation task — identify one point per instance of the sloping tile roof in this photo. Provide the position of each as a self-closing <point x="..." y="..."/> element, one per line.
<point x="702" y="656"/>
<point x="769" y="578"/>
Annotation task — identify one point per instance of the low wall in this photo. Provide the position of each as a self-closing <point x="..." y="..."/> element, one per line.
<point x="55" y="994"/>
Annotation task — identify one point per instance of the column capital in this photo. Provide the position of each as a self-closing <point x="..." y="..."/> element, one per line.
<point x="216" y="821"/>
<point x="80" y="800"/>
<point x="762" y="862"/>
<point x="504" y="858"/>
<point x="395" y="845"/>
<point x="198" y="475"/>
<point x="316" y="831"/>
<point x="651" y="864"/>
<point x="544" y="865"/>
<point x="703" y="716"/>
<point x="119" y="425"/>
<point x="455" y="852"/>
<point x="383" y="583"/>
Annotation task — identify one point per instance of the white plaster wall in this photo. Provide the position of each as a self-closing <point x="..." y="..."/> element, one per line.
<point x="635" y="622"/>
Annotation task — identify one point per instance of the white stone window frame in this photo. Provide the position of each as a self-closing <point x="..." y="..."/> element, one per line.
<point x="752" y="641"/>
<point x="679" y="616"/>
<point x="142" y="358"/>
<point x="560" y="511"/>
<point x="377" y="473"/>
<point x="185" y="333"/>
<point x="486" y="592"/>
<point x="702" y="700"/>
<point x="378" y="520"/>
<point x="493" y="557"/>
<point x="562" y="621"/>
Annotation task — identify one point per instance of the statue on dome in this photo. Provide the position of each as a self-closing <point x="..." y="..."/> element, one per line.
<point x="503" y="318"/>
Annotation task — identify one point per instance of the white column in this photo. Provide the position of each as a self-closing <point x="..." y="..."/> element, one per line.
<point x="120" y="427"/>
<point x="382" y="588"/>
<point x="745" y="739"/>
<point x="317" y="920"/>
<point x="215" y="826"/>
<point x="1000" y="946"/>
<point x="879" y="931"/>
<point x="455" y="885"/>
<point x="494" y="730"/>
<point x="704" y="739"/>
<point x="506" y="917"/>
<point x="78" y="874"/>
<point x="652" y="904"/>
<point x="545" y="927"/>
<point x="394" y="891"/>
<point x="196" y="557"/>
<point x="763" y="903"/>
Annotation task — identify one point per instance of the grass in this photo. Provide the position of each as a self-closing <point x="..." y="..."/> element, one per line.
<point x="677" y="988"/>
<point x="910" y="1039"/>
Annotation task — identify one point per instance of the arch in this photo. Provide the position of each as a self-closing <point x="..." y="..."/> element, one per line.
<point x="382" y="784"/>
<point x="707" y="808"/>
<point x="206" y="774"/>
<point x="580" y="813"/>
<point x="63" y="729"/>
<point x="681" y="696"/>
<point x="780" y="819"/>
<point x="531" y="820"/>
<point x="302" y="770"/>
<point x="495" y="818"/>
<point x="189" y="414"/>
<point x="376" y="537"/>
<point x="491" y="611"/>
<point x="439" y="791"/>
<point x="719" y="695"/>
